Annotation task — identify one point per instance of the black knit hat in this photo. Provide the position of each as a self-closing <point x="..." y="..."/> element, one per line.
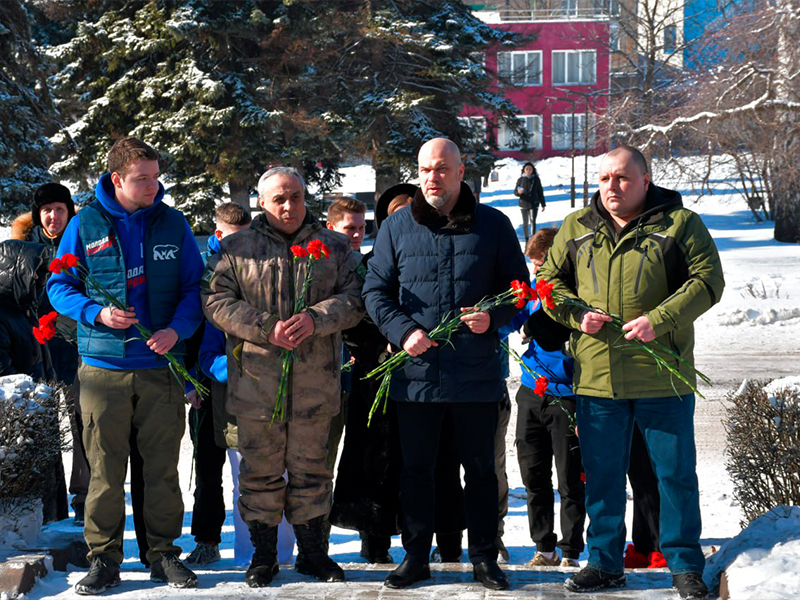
<point x="382" y="207"/>
<point x="47" y="194"/>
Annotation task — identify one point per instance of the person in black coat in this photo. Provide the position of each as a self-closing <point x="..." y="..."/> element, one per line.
<point x="440" y="257"/>
<point x="23" y="270"/>
<point x="531" y="195"/>
<point x="51" y="209"/>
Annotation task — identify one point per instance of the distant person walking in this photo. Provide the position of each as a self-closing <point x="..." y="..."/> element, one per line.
<point x="531" y="196"/>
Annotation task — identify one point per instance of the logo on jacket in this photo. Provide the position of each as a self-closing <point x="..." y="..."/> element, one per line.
<point x="165" y="252"/>
<point x="101" y="244"/>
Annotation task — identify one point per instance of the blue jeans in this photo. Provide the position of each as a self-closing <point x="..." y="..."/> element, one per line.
<point x="605" y="427"/>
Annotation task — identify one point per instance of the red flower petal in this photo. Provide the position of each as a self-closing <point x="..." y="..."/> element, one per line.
<point x="56" y="265"/>
<point x="325" y="250"/>
<point x="541" y="386"/>
<point x="37" y="333"/>
<point x="299" y="251"/>
<point x="69" y="260"/>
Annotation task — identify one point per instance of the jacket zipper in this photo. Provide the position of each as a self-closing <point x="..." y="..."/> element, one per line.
<point x="641" y="268"/>
<point x="590" y="264"/>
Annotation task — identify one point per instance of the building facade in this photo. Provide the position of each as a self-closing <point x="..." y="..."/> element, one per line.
<point x="558" y="78"/>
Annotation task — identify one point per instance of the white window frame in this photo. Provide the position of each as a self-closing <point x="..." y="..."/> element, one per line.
<point x="510" y="74"/>
<point x="533" y="125"/>
<point x="563" y="141"/>
<point x="582" y="60"/>
<point x="673" y="31"/>
<point x="471" y="122"/>
<point x="614" y="34"/>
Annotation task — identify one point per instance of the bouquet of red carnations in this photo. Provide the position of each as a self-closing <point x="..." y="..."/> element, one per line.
<point x="315" y="250"/>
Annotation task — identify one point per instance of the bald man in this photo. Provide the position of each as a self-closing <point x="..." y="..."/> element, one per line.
<point x="638" y="253"/>
<point x="437" y="259"/>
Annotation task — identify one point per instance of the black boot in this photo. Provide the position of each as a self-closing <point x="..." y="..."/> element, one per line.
<point x="311" y="556"/>
<point x="375" y="548"/>
<point x="264" y="565"/>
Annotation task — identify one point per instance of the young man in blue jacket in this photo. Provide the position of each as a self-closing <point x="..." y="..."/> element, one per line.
<point x="143" y="252"/>
<point x="438" y="258"/>
<point x="546" y="428"/>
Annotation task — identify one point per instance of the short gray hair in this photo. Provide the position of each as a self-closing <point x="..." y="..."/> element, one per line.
<point x="272" y="171"/>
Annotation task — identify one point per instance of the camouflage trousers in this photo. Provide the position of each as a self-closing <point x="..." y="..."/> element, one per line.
<point x="299" y="447"/>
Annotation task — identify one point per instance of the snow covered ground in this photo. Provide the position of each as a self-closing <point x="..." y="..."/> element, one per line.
<point x="752" y="332"/>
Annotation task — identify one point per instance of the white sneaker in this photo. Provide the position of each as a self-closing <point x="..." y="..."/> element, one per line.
<point x="570" y="562"/>
<point x="540" y="560"/>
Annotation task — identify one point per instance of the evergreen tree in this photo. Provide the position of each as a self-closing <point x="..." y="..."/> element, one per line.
<point x="408" y="71"/>
<point x="225" y="89"/>
<point x="194" y="79"/>
<point x="25" y="112"/>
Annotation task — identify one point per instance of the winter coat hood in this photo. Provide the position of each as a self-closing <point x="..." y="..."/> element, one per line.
<point x="22" y="226"/>
<point x="19" y="262"/>
<point x="656" y="203"/>
<point x="105" y="194"/>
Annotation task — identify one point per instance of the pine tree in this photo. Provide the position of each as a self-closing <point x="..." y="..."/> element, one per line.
<point x="194" y="80"/>
<point x="225" y="89"/>
<point x="25" y="112"/>
<point x="410" y="69"/>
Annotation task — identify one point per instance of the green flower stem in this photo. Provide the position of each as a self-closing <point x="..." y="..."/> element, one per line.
<point x="653" y="348"/>
<point x="289" y="356"/>
<point x="175" y="366"/>
<point x="441" y="333"/>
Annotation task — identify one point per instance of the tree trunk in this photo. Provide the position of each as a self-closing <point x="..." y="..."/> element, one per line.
<point x="240" y="193"/>
<point x="785" y="172"/>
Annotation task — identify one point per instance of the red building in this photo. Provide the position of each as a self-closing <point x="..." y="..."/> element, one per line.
<point x="558" y="80"/>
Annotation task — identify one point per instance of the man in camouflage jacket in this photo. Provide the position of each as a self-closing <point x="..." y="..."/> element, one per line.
<point x="638" y="253"/>
<point x="249" y="293"/>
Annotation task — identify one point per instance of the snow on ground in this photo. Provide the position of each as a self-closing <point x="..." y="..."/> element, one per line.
<point x="757" y="318"/>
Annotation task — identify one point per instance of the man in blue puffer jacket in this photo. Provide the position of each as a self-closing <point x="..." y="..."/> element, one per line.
<point x="546" y="428"/>
<point x="143" y="252"/>
<point x="438" y="257"/>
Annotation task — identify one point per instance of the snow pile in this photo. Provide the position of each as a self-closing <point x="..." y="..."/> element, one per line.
<point x="762" y="561"/>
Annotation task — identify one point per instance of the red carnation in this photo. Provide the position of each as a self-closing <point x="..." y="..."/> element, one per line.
<point x="314" y="248"/>
<point x="545" y="291"/>
<point x="299" y="251"/>
<point x="541" y="386"/>
<point x="44" y="334"/>
<point x="48" y="320"/>
<point x="325" y="251"/>
<point x="56" y="265"/>
<point x="69" y="260"/>
<point x="520" y="303"/>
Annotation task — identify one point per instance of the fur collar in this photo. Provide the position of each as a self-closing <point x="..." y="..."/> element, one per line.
<point x="460" y="218"/>
<point x="22" y="226"/>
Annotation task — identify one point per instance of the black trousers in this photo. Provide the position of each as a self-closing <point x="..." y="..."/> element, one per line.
<point x="208" y="513"/>
<point x="473" y="426"/>
<point x="646" y="499"/>
<point x="544" y="432"/>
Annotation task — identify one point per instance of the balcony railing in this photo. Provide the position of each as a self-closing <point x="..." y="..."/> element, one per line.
<point x="580" y="13"/>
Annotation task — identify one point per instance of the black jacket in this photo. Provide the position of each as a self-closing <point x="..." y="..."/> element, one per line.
<point x="23" y="270"/>
<point x="426" y="267"/>
<point x="533" y="194"/>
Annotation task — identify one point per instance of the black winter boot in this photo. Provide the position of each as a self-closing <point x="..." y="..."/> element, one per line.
<point x="264" y="565"/>
<point x="312" y="559"/>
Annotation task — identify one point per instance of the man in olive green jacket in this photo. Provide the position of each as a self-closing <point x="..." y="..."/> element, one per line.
<point x="637" y="253"/>
<point x="249" y="293"/>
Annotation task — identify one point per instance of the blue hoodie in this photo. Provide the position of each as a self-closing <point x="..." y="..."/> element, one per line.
<point x="556" y="365"/>
<point x="212" y="358"/>
<point x="69" y="298"/>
